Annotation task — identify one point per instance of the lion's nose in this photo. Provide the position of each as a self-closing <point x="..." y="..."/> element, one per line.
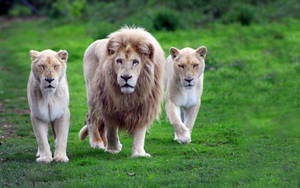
<point x="126" y="77"/>
<point x="49" y="80"/>
<point x="189" y="79"/>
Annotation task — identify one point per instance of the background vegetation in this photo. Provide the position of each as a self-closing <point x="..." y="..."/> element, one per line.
<point x="247" y="130"/>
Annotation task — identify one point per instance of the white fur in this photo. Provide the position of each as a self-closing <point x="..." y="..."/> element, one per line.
<point x="49" y="105"/>
<point x="183" y="103"/>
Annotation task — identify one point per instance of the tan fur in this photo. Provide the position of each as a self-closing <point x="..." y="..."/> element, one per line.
<point x="129" y="109"/>
<point x="48" y="98"/>
<point x="184" y="83"/>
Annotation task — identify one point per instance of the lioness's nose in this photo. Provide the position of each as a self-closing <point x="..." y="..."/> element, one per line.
<point x="189" y="79"/>
<point x="49" y="80"/>
<point x="126" y="77"/>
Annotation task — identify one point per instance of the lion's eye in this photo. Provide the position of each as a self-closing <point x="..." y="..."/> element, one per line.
<point x="119" y="61"/>
<point x="56" y="67"/>
<point x="195" y="65"/>
<point x="135" y="62"/>
<point x="181" y="66"/>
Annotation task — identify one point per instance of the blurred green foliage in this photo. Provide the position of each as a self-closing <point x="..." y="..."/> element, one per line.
<point x="163" y="14"/>
<point x="19" y="10"/>
<point x="166" y="19"/>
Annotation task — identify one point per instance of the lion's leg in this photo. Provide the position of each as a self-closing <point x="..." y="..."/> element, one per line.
<point x="61" y="127"/>
<point x="182" y="133"/>
<point x="113" y="142"/>
<point x="40" y="129"/>
<point x="190" y="115"/>
<point x="138" y="143"/>
<point x="95" y="138"/>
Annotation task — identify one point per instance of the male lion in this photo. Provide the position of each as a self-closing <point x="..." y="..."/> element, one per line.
<point x="184" y="77"/>
<point x="48" y="98"/>
<point x="123" y="76"/>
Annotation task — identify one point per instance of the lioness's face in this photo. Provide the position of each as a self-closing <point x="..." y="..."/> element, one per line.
<point x="48" y="68"/>
<point x="189" y="65"/>
<point x="127" y="66"/>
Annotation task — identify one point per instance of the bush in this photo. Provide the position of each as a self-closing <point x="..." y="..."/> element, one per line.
<point x="67" y="10"/>
<point x="166" y="19"/>
<point x="244" y="14"/>
<point x="76" y="8"/>
<point x="20" y="10"/>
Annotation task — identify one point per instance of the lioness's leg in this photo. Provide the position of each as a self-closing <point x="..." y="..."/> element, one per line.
<point x="182" y="133"/>
<point x="190" y="115"/>
<point x="40" y="129"/>
<point x="61" y="127"/>
<point x="138" y="143"/>
<point x="113" y="142"/>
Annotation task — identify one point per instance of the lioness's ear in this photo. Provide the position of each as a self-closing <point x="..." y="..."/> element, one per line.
<point x="146" y="49"/>
<point x="63" y="55"/>
<point x="112" y="46"/>
<point x="174" y="52"/>
<point x="202" y="51"/>
<point x="34" y="55"/>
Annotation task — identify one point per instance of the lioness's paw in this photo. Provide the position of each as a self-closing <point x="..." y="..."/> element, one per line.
<point x="44" y="159"/>
<point x="143" y="154"/>
<point x="96" y="145"/>
<point x="61" y="158"/>
<point x="184" y="138"/>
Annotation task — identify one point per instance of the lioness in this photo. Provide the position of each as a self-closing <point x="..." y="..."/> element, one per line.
<point x="48" y="97"/>
<point x="184" y="84"/>
<point x="123" y="76"/>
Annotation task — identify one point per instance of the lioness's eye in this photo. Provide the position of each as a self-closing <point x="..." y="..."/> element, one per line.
<point x="195" y="65"/>
<point x="56" y="67"/>
<point x="181" y="66"/>
<point x="119" y="61"/>
<point x="42" y="67"/>
<point x="135" y="62"/>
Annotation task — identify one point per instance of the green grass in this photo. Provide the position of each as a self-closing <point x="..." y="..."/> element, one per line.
<point x="247" y="132"/>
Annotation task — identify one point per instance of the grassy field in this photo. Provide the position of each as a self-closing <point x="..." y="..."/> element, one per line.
<point x="247" y="133"/>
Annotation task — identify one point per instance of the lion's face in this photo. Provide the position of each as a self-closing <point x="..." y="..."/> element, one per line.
<point x="128" y="62"/>
<point x="189" y="65"/>
<point x="127" y="67"/>
<point x="48" y="68"/>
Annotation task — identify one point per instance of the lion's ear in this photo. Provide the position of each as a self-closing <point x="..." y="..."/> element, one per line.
<point x="174" y="52"/>
<point x="146" y="49"/>
<point x="202" y="51"/>
<point x="112" y="46"/>
<point x="63" y="55"/>
<point x="34" y="55"/>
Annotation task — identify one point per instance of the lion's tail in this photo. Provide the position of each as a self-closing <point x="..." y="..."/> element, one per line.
<point x="83" y="133"/>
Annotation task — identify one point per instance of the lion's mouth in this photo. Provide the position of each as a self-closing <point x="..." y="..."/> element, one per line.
<point x="50" y="86"/>
<point x="127" y="85"/>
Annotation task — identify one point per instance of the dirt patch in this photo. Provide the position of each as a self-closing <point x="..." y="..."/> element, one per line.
<point x="7" y="129"/>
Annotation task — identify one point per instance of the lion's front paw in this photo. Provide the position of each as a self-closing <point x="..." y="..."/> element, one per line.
<point x="140" y="154"/>
<point x="183" y="138"/>
<point x="44" y="159"/>
<point x="98" y="144"/>
<point x="114" y="150"/>
<point x="61" y="158"/>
